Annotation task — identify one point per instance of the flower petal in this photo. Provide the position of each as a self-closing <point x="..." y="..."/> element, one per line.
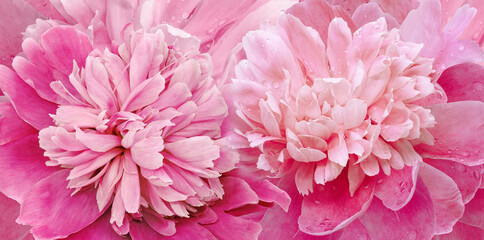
<point x="463" y="82"/>
<point x="53" y="212"/>
<point x="9" y="229"/>
<point x="457" y="120"/>
<point x="22" y="169"/>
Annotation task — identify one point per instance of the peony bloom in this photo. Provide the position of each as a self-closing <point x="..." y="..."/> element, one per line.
<point x="113" y="125"/>
<point x="359" y="119"/>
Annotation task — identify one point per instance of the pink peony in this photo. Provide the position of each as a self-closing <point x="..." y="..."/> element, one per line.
<point x="113" y="125"/>
<point x="351" y="113"/>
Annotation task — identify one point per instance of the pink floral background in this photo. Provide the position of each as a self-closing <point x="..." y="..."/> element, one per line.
<point x="254" y="119"/>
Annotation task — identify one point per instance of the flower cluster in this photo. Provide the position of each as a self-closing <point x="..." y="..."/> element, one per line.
<point x="254" y="119"/>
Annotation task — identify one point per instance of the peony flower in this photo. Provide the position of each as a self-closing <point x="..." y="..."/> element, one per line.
<point x="357" y="118"/>
<point x="113" y="125"/>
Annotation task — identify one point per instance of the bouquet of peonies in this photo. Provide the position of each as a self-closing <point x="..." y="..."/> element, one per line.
<point x="240" y="120"/>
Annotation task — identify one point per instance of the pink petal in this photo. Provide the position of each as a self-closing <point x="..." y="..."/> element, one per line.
<point x="11" y="126"/>
<point x="341" y="38"/>
<point x="446" y="198"/>
<point x="475" y="210"/>
<point x="101" y="228"/>
<point x="11" y="37"/>
<point x="397" y="190"/>
<point x="396" y="8"/>
<point x="457" y="52"/>
<point x="414" y="221"/>
<point x="64" y="44"/>
<point x="230" y="227"/>
<point x="457" y="120"/>
<point x="237" y="194"/>
<point x="306" y="44"/>
<point x="199" y="151"/>
<point x="145" y="93"/>
<point x="462" y="231"/>
<point x="468" y="179"/>
<point x="146" y="153"/>
<point x="98" y="142"/>
<point x="9" y="229"/>
<point x="463" y="82"/>
<point x="331" y="207"/>
<point x="46" y="8"/>
<point x="53" y="212"/>
<point x="161" y="225"/>
<point x="355" y="230"/>
<point x="422" y="25"/>
<point x="371" y="12"/>
<point x="22" y="168"/>
<point x="30" y="107"/>
<point x="307" y="10"/>
<point x="185" y="230"/>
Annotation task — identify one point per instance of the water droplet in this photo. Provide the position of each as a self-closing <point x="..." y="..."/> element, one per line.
<point x="185" y="15"/>
<point x="317" y="202"/>
<point x="476" y="174"/>
<point x="461" y="168"/>
<point x="44" y="3"/>
<point x="403" y="186"/>
<point x="275" y="85"/>
<point x="461" y="48"/>
<point x="465" y="154"/>
<point x="412" y="235"/>
<point x="366" y="187"/>
<point x="379" y="181"/>
<point x="449" y="152"/>
<point x="478" y="86"/>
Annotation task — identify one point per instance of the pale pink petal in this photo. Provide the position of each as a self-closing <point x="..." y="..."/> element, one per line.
<point x="341" y="38"/>
<point x="398" y="9"/>
<point x="446" y="198"/>
<point x="457" y="52"/>
<point x="318" y="15"/>
<point x="371" y="12"/>
<point x="53" y="212"/>
<point x="46" y="8"/>
<point x="463" y="82"/>
<point x="422" y="25"/>
<point x="415" y="221"/>
<point x="354" y="230"/>
<point x="457" y="120"/>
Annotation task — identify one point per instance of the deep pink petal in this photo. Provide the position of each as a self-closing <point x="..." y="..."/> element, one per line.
<point x="331" y="207"/>
<point x="30" y="107"/>
<point x="468" y="179"/>
<point x="10" y="210"/>
<point x="11" y="126"/>
<point x="457" y="120"/>
<point x="22" y="165"/>
<point x="462" y="231"/>
<point x="99" y="229"/>
<point x="231" y="227"/>
<point x="15" y="16"/>
<point x="53" y="212"/>
<point x="397" y="190"/>
<point x="414" y="221"/>
<point x="186" y="230"/>
<point x="355" y="230"/>
<point x="279" y="224"/>
<point x="475" y="211"/>
<point x="237" y="194"/>
<point x="463" y="82"/>
<point x="446" y="198"/>
<point x="64" y="44"/>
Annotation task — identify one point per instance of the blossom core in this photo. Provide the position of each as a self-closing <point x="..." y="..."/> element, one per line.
<point x="316" y="109"/>
<point x="141" y="126"/>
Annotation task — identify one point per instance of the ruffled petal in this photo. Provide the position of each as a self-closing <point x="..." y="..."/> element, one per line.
<point x="463" y="82"/>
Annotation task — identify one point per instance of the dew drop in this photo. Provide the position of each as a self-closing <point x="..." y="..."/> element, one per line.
<point x="478" y="86"/>
<point x="449" y="152"/>
<point x="461" y="48"/>
<point x="185" y="15"/>
<point x="403" y="186"/>
<point x="465" y="154"/>
<point x="379" y="181"/>
<point x="476" y="174"/>
<point x="366" y="187"/>
<point x="317" y="202"/>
